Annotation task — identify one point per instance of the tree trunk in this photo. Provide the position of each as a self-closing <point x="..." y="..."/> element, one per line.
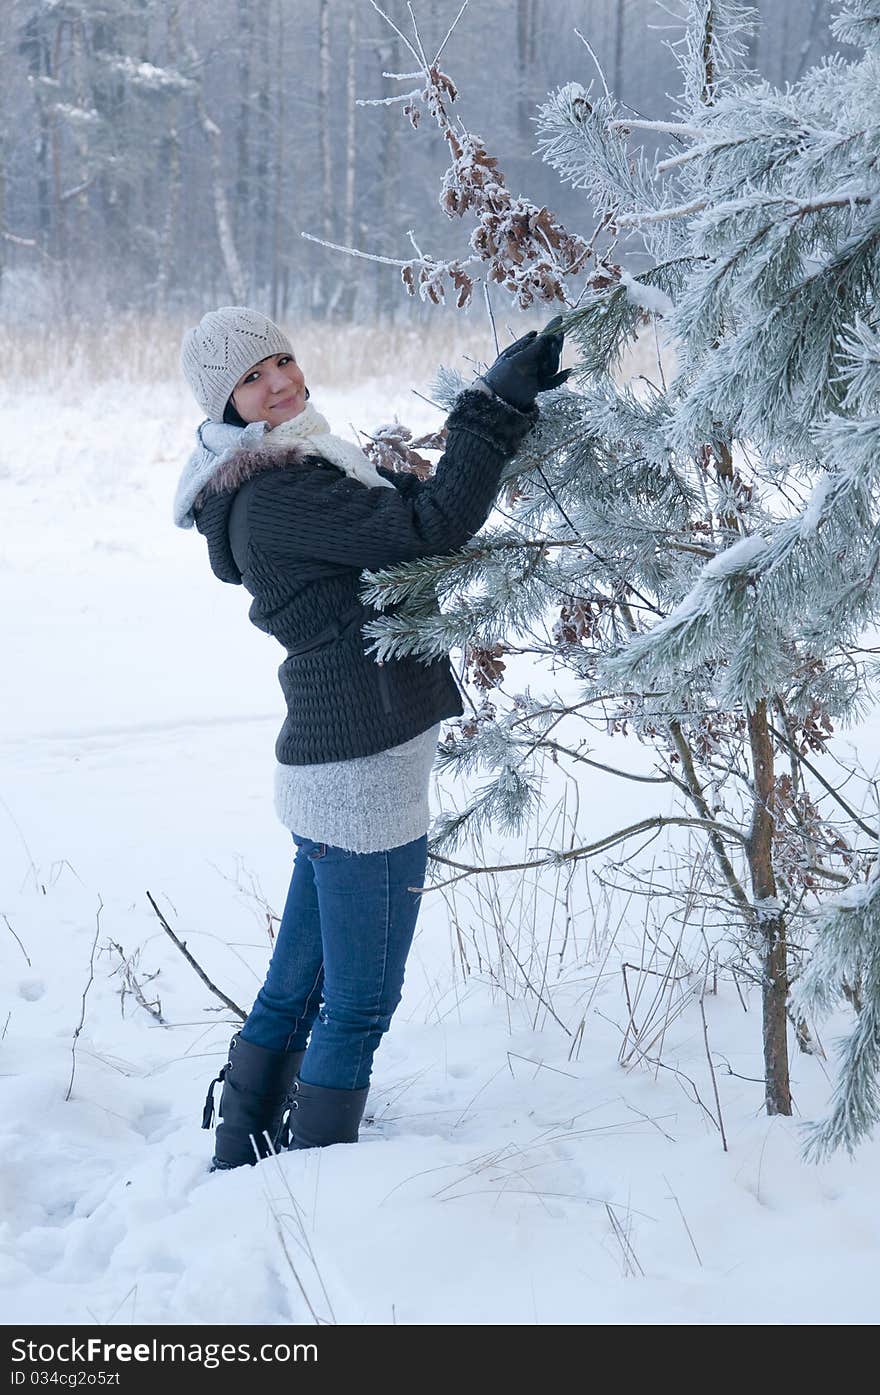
<point x="348" y="286"/>
<point x="168" y="244"/>
<point x="245" y="43"/>
<point x="171" y="166"/>
<point x="617" y="87"/>
<point x="277" y="303"/>
<point x="59" y="240"/>
<point x="3" y="229"/>
<point x="388" y="59"/>
<point x="221" y="211"/>
<point x="770" y="919"/>
<point x="225" y="235"/>
<point x="525" y="53"/>
<point x="325" y="160"/>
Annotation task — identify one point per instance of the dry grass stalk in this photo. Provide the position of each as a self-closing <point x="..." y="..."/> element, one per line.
<point x="631" y="1264"/>
<point x="127" y="971"/>
<point x="18" y="941"/>
<point x="85" y="993"/>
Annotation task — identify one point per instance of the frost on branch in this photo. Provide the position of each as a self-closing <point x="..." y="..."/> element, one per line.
<point x="858" y="23"/>
<point x="150" y="78"/>
<point x="394" y="446"/>
<point x="428" y="276"/>
<point x="846" y="965"/>
<point x="528" y="250"/>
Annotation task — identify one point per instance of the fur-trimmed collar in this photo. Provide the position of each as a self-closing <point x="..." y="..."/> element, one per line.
<point x="239" y="466"/>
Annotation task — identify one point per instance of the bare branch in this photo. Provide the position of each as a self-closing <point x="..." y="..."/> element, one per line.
<point x="181" y="945"/>
<point x="370" y="256"/>
<point x="701" y="803"/>
<point x="865" y="827"/>
<point x="449" y="33"/>
<point x="556" y="859"/>
<point x="397" y="31"/>
<point x="589" y="49"/>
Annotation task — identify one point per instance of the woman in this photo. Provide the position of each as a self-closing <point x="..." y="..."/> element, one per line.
<point x="295" y="514"/>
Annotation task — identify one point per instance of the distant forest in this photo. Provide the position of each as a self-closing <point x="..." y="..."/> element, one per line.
<point x="158" y="155"/>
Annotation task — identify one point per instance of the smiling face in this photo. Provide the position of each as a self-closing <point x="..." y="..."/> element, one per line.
<point x="274" y="390"/>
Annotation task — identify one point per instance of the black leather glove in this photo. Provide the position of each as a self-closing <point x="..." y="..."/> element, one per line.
<point x="528" y="366"/>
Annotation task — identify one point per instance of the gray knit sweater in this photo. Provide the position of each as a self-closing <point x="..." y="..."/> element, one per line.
<point x="367" y="804"/>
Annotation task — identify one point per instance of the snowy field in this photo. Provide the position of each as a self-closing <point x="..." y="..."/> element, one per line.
<point x="512" y="1170"/>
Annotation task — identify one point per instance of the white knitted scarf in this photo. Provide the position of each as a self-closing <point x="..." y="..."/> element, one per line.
<point x="310" y="426"/>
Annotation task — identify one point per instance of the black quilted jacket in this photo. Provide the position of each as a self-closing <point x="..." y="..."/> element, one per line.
<point x="304" y="531"/>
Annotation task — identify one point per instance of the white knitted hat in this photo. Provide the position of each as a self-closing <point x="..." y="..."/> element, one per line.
<point x="224" y="344"/>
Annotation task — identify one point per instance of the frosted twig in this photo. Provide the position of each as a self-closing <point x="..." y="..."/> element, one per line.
<point x="353" y="252"/>
<point x="589" y="49"/>
<point x="82" y="1016"/>
<point x="449" y="33"/>
<point x="388" y="101"/>
<point x="387" y="261"/>
<point x="397" y="31"/>
<point x="421" y="46"/>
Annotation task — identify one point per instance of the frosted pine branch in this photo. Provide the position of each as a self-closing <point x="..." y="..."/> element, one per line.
<point x="847" y="957"/>
<point x="659" y="215"/>
<point x="672" y="128"/>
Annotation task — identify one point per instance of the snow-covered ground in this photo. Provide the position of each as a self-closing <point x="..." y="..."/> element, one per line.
<point x="512" y="1170"/>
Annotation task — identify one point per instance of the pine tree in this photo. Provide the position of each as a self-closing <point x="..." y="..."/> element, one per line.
<point x="715" y="537"/>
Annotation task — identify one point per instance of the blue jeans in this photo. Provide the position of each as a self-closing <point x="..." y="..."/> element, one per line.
<point x="338" y="963"/>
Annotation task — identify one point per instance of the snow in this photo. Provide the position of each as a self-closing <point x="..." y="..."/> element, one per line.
<point x="147" y="75"/>
<point x="737" y="558"/>
<point x="647" y="297"/>
<point x="815" y="505"/>
<point x="509" y="1154"/>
